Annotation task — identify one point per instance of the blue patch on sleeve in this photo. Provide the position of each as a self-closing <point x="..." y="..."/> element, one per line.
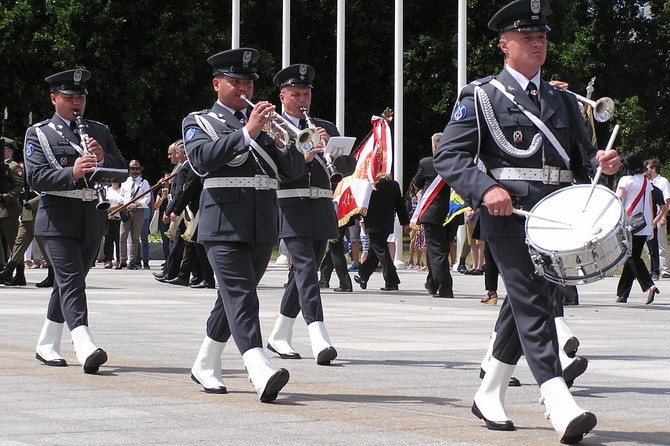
<point x="460" y="113"/>
<point x="190" y="133"/>
<point x="30" y="149"/>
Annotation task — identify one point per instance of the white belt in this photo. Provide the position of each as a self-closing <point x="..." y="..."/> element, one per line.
<point x="81" y="194"/>
<point x="547" y="175"/>
<point x="308" y="192"/>
<point x="260" y="182"/>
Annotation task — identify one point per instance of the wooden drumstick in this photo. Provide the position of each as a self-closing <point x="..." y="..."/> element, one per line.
<point x="539" y="217"/>
<point x="599" y="170"/>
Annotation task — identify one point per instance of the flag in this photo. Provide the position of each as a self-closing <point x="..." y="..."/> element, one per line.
<point x="352" y="194"/>
<point x="457" y="206"/>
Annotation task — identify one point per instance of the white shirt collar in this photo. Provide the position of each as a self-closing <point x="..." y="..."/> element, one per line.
<point x="522" y="80"/>
<point x="232" y="110"/>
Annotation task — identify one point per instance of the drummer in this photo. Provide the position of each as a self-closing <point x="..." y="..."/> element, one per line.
<point x="509" y="120"/>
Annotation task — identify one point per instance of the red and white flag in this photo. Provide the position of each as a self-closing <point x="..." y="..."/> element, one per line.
<point x="426" y="199"/>
<point x="352" y="194"/>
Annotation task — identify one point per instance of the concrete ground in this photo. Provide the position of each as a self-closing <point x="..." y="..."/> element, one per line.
<point x="406" y="372"/>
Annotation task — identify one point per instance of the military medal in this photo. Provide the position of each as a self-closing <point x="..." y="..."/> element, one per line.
<point x="518" y="137"/>
<point x="63" y="161"/>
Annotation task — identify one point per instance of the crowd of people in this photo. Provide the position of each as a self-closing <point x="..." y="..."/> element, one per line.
<point x="242" y="180"/>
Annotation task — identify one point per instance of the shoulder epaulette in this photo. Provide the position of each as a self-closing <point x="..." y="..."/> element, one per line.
<point x="42" y="123"/>
<point x="200" y="112"/>
<point x="482" y="81"/>
<point x="97" y="123"/>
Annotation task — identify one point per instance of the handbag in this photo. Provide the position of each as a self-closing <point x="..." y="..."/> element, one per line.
<point x="636" y="221"/>
<point x="124" y="215"/>
<point x="153" y="224"/>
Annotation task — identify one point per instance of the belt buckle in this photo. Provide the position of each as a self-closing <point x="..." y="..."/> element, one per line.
<point x="262" y="182"/>
<point x="551" y="175"/>
<point x="88" y="194"/>
<point x="313" y="192"/>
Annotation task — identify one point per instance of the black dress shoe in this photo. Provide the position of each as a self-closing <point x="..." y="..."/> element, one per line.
<point x="343" y="290"/>
<point x="46" y="283"/>
<point x="443" y="296"/>
<point x="571" y="346"/>
<point x="294" y="355"/>
<point x="159" y="275"/>
<point x="430" y="290"/>
<point x="218" y="389"/>
<point x="121" y="265"/>
<point x="323" y="284"/>
<point x="177" y="281"/>
<point x="203" y="284"/>
<point x="132" y="266"/>
<point x="576" y="368"/>
<point x="506" y="425"/>
<point x="326" y="356"/>
<point x="274" y="385"/>
<point x="51" y="362"/>
<point x="578" y="427"/>
<point x="194" y="281"/>
<point x="474" y="272"/>
<point x="94" y="361"/>
<point x="359" y="280"/>
<point x="389" y="288"/>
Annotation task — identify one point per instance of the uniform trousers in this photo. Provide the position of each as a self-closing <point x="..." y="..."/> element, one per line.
<point x="438" y="246"/>
<point x="9" y="227"/>
<point x="112" y="240"/>
<point x="302" y="290"/>
<point x="652" y="246"/>
<point x="634" y="268"/>
<point x="378" y="254"/>
<point x="24" y="238"/>
<point x="335" y="260"/>
<point x="525" y="323"/>
<point x="71" y="259"/>
<point x="238" y="267"/>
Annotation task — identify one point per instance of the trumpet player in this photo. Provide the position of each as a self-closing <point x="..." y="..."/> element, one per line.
<point x="307" y="220"/>
<point x="241" y="165"/>
<point x="67" y="218"/>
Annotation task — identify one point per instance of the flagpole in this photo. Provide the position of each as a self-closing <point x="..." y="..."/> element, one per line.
<point x="398" y="125"/>
<point x="339" y="81"/>
<point x="461" y="234"/>
<point x="235" y="26"/>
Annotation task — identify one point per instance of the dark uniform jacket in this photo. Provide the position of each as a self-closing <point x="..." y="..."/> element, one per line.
<point x="314" y="218"/>
<point x="437" y="211"/>
<point x="240" y="214"/>
<point x="460" y="144"/>
<point x="385" y="201"/>
<point x="11" y="188"/>
<point x="64" y="216"/>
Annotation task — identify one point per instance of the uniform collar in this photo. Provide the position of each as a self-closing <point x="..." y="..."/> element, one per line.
<point x="522" y="80"/>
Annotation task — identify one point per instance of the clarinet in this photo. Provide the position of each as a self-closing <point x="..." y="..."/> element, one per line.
<point x="102" y="204"/>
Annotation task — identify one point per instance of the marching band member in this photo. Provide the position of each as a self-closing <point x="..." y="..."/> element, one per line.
<point x="509" y="120"/>
<point x="307" y="220"/>
<point x="238" y="222"/>
<point x="67" y="218"/>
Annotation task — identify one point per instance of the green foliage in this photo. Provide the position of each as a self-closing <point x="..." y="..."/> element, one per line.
<point x="148" y="60"/>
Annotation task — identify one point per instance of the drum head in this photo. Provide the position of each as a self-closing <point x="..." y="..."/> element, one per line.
<point x="601" y="216"/>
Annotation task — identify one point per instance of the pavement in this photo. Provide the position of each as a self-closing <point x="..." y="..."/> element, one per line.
<point x="406" y="372"/>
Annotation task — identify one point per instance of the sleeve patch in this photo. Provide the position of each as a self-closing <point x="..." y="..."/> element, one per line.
<point x="190" y="133"/>
<point x="460" y="113"/>
<point x="30" y="149"/>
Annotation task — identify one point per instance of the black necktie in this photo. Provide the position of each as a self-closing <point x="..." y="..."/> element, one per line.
<point x="73" y="127"/>
<point x="532" y="93"/>
<point x="302" y="124"/>
<point x="239" y="115"/>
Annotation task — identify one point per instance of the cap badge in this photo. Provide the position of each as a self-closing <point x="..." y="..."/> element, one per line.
<point x="76" y="77"/>
<point x="535" y="6"/>
<point x="303" y="70"/>
<point x="246" y="58"/>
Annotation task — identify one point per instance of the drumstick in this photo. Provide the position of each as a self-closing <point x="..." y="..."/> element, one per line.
<point x="599" y="170"/>
<point x="539" y="217"/>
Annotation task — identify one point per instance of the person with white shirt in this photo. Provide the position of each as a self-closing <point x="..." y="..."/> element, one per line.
<point x="654" y="173"/>
<point x="135" y="186"/>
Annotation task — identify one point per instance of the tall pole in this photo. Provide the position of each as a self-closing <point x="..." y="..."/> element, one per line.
<point x="235" y="26"/>
<point x="398" y="121"/>
<point x="286" y="34"/>
<point x="339" y="80"/>
<point x="461" y="81"/>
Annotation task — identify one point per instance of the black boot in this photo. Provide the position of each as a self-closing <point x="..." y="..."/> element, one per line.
<point x="7" y="273"/>
<point x="49" y="281"/>
<point x="20" y="277"/>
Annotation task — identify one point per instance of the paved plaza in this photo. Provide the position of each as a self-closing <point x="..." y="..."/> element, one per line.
<point x="406" y="373"/>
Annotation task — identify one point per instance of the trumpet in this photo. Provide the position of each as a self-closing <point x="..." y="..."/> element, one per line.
<point x="335" y="176"/>
<point x="282" y="129"/>
<point x="603" y="108"/>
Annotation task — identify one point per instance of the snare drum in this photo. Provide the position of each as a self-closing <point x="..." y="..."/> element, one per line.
<point x="590" y="246"/>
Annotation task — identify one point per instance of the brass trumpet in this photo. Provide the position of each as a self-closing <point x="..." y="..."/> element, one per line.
<point x="335" y="176"/>
<point x="282" y="129"/>
<point x="603" y="108"/>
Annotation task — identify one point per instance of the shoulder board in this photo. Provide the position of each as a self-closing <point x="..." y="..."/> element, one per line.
<point x="482" y="81"/>
<point x="42" y="123"/>
<point x="90" y="121"/>
<point x="200" y="112"/>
